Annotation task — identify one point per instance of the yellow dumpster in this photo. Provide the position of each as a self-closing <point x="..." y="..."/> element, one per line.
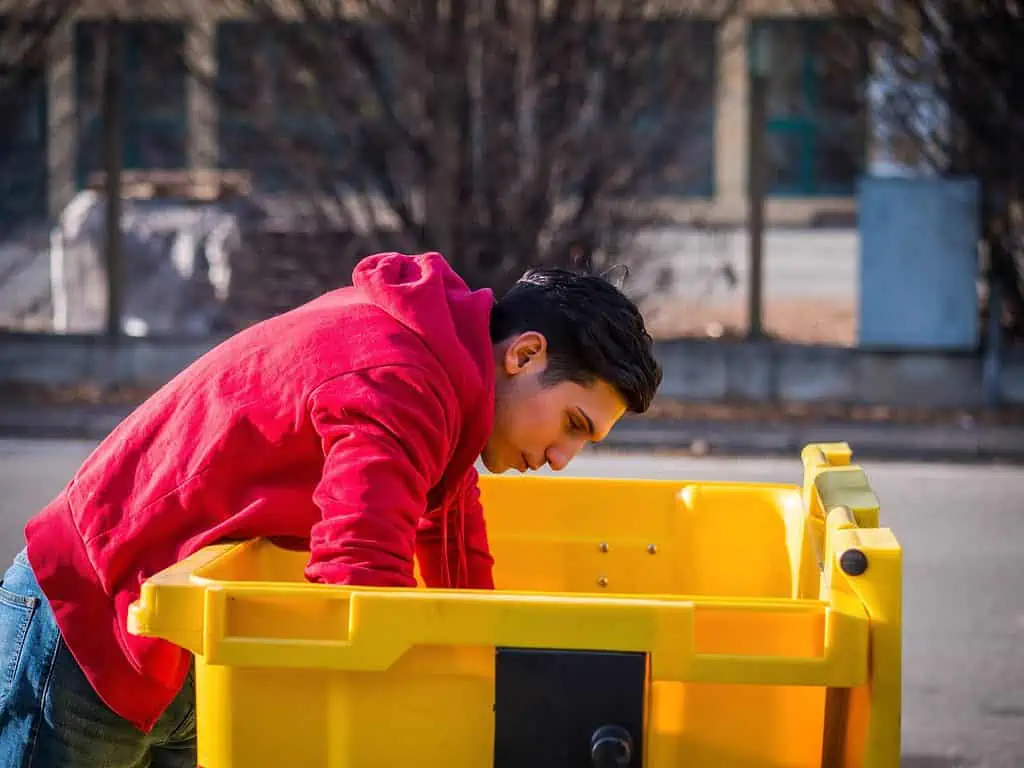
<point x="636" y="623"/>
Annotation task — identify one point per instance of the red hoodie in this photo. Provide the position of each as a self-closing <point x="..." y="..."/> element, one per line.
<point x="351" y="423"/>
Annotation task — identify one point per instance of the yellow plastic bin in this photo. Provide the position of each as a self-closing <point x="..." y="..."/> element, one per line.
<point x="637" y="623"/>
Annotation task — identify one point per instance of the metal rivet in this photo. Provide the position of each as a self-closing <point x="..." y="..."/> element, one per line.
<point x="602" y="581"/>
<point x="853" y="562"/>
<point x="603" y="547"/>
<point x="652" y="549"/>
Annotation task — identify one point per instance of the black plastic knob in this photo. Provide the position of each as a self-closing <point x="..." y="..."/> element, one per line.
<point x="611" y="746"/>
<point x="853" y="562"/>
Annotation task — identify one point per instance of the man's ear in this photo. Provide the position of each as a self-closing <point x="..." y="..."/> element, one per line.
<point x="524" y="352"/>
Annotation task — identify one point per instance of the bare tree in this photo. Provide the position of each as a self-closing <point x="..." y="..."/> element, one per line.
<point x="501" y="133"/>
<point x="949" y="96"/>
<point x="504" y="134"/>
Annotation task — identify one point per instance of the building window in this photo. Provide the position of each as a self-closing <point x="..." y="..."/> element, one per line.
<point x="675" y="131"/>
<point x="291" y="112"/>
<point x="154" y="116"/>
<point x="655" y="81"/>
<point x="816" y="141"/>
<point x="23" y="139"/>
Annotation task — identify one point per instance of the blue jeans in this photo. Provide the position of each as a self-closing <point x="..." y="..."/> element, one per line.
<point x="50" y="717"/>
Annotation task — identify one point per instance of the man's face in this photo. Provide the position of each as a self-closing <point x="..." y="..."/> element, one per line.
<point x="536" y="424"/>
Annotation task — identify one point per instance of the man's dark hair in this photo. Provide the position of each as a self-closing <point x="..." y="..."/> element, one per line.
<point x="592" y="329"/>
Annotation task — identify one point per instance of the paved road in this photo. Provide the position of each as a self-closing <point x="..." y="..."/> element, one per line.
<point x="962" y="532"/>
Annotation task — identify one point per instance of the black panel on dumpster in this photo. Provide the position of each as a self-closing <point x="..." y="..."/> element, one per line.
<point x="568" y="709"/>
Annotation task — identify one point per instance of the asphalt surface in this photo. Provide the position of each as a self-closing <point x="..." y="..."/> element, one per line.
<point x="963" y="541"/>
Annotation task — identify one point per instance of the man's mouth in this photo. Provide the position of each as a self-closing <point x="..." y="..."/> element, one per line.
<point x="528" y="465"/>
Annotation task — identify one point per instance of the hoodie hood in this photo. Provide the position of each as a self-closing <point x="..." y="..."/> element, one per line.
<point x="428" y="297"/>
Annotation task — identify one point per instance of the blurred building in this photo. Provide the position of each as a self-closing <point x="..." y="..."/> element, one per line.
<point x="817" y="143"/>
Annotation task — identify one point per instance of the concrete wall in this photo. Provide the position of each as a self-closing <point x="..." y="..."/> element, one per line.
<point x="713" y="371"/>
<point x="694" y="370"/>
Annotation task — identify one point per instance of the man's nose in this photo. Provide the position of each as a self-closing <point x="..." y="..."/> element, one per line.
<point x="560" y="455"/>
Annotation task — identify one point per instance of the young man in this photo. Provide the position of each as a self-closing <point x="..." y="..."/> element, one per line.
<point x="350" y="425"/>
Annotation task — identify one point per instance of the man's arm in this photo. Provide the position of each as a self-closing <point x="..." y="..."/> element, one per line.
<point x="384" y="436"/>
<point x="431" y="545"/>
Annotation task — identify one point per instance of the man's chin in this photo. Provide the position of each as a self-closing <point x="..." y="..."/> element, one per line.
<point x="490" y="464"/>
<point x="494" y="465"/>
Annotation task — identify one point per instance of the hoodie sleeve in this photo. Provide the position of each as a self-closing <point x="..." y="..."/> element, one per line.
<point x="384" y="433"/>
<point x="435" y="554"/>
